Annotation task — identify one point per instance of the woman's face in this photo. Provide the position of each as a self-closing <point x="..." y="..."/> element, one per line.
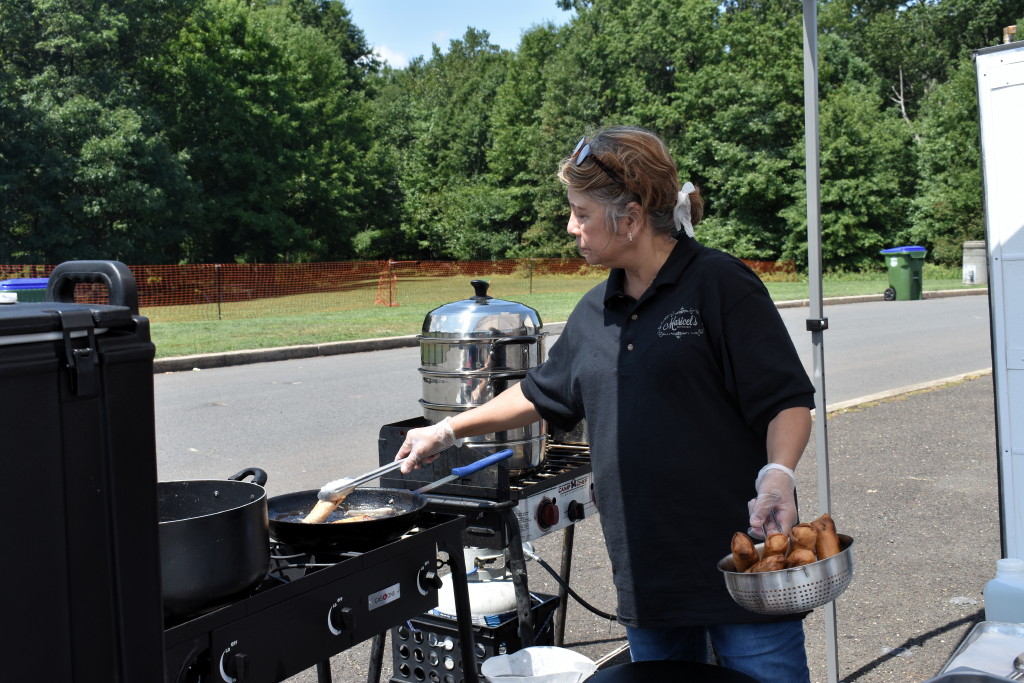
<point x="595" y="237"/>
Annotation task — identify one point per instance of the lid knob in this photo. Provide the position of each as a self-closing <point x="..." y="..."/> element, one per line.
<point x="480" y="287"/>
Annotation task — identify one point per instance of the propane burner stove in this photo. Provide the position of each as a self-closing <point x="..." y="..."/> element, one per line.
<point x="504" y="508"/>
<point x="313" y="606"/>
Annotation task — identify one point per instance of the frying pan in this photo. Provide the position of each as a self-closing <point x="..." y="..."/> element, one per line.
<point x="286" y="512"/>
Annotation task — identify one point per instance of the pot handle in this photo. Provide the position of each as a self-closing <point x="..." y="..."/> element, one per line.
<point x="259" y="477"/>
<point x="525" y="339"/>
<point x="515" y="374"/>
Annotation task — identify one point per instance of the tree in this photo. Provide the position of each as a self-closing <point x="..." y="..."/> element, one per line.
<point x="444" y="167"/>
<point x="615" y="63"/>
<point x="222" y="130"/>
<point x="947" y="209"/>
<point x="274" y="132"/>
<point x="528" y="145"/>
<point x="866" y="191"/>
<point x="744" y="115"/>
<point x="913" y="44"/>
<point x="87" y="172"/>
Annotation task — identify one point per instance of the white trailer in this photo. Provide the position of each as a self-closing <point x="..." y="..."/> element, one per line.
<point x="1000" y="76"/>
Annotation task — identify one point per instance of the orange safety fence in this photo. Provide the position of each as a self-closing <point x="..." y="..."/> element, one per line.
<point x="198" y="292"/>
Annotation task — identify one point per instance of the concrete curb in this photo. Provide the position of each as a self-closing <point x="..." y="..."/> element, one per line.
<point x="244" y="357"/>
<point x="900" y="391"/>
<point x="940" y="294"/>
<point x="206" y="361"/>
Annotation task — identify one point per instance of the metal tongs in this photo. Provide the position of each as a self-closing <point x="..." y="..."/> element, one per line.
<point x="333" y="492"/>
<point x="339" y="488"/>
<point x="336" y="490"/>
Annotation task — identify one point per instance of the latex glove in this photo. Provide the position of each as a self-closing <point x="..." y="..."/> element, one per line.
<point x="774" y="509"/>
<point x="422" y="445"/>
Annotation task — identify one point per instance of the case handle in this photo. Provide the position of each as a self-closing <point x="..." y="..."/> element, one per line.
<point x="115" y="275"/>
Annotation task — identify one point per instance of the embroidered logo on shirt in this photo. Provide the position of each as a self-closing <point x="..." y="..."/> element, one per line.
<point x="682" y="322"/>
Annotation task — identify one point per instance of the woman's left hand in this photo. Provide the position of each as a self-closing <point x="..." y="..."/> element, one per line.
<point x="776" y="493"/>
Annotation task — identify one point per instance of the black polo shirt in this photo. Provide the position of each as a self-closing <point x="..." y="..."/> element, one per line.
<point x="677" y="389"/>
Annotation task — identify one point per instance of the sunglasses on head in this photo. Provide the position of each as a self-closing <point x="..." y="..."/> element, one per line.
<point x="582" y="153"/>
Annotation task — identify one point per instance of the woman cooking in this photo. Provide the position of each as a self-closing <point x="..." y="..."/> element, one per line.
<point x="695" y="400"/>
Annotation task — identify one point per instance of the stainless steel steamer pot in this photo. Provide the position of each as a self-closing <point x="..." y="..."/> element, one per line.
<point x="460" y="389"/>
<point x="471" y="351"/>
<point x="476" y="353"/>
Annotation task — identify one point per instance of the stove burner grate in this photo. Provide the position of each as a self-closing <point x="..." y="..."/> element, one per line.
<point x="561" y="460"/>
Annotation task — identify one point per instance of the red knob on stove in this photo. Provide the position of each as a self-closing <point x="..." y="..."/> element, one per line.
<point x="547" y="513"/>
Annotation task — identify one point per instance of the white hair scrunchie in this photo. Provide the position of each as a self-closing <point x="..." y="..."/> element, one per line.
<point x="681" y="212"/>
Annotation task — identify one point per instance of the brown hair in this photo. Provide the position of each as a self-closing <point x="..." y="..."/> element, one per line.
<point x="648" y="172"/>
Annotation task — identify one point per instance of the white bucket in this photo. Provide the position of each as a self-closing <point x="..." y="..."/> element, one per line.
<point x="538" y="665"/>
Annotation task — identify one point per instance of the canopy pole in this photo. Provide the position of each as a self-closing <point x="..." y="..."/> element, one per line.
<point x="817" y="323"/>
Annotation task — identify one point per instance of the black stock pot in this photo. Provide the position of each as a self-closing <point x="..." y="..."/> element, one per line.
<point x="214" y="541"/>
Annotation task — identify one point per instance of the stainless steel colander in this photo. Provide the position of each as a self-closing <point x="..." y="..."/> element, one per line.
<point x="790" y="591"/>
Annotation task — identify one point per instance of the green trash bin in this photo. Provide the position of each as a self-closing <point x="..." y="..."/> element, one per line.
<point x="905" y="264"/>
<point x="27" y="288"/>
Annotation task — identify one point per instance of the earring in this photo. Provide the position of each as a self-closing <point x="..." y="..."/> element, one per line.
<point x="630" y="237"/>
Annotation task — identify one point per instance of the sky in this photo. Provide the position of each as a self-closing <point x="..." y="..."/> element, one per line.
<point x="400" y="30"/>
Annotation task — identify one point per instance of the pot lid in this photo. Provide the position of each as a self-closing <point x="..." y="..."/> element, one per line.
<point x="481" y="316"/>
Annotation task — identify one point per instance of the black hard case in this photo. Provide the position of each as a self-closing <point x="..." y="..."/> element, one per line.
<point x="81" y="578"/>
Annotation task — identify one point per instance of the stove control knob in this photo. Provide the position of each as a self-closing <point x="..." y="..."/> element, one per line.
<point x="238" y="665"/>
<point x="547" y="513"/>
<point x="428" y="580"/>
<point x="233" y="666"/>
<point x="575" y="511"/>
<point x="339" y="618"/>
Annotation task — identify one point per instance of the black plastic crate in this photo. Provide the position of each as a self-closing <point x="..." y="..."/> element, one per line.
<point x="426" y="649"/>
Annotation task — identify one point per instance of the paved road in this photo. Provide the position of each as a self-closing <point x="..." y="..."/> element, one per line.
<point x="315" y="419"/>
<point x="883" y="345"/>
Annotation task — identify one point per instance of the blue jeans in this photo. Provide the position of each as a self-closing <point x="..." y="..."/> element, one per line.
<point x="770" y="652"/>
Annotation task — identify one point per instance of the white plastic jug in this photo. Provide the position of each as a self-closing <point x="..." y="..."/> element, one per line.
<point x="1004" y="595"/>
<point x="541" y="664"/>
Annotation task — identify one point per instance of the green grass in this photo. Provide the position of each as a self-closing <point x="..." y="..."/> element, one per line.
<point x="788" y="291"/>
<point x="209" y="336"/>
<point x="319" y="319"/>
